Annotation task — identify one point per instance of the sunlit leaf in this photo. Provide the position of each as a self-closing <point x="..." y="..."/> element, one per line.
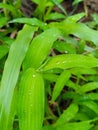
<point x="62" y="79"/>
<point x="31" y="21"/>
<point x="66" y="61"/>
<point x="12" y="67"/>
<point x="89" y="87"/>
<point x="64" y="47"/>
<point x="31" y="101"/>
<point x="67" y="115"/>
<point x="40" y="48"/>
<point x="84" y="125"/>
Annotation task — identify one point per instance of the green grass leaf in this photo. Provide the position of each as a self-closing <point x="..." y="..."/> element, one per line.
<point x="91" y="105"/>
<point x="66" y="61"/>
<point x="84" y="125"/>
<point x="3" y="50"/>
<point x="10" y="8"/>
<point x="12" y="67"/>
<point x="40" y="48"/>
<point x="3" y="21"/>
<point x="88" y="87"/>
<point x="31" y="21"/>
<point x="67" y="115"/>
<point x="62" y="79"/>
<point x="31" y="101"/>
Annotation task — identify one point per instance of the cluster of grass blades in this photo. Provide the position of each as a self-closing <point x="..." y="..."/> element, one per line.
<point x="48" y="70"/>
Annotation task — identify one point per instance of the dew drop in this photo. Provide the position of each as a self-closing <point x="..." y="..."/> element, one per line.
<point x="33" y="76"/>
<point x="64" y="62"/>
<point x="54" y="35"/>
<point x="66" y="51"/>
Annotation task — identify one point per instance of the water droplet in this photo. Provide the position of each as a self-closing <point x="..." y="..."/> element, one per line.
<point x="54" y="35"/>
<point x="64" y="62"/>
<point x="33" y="75"/>
<point x="66" y="51"/>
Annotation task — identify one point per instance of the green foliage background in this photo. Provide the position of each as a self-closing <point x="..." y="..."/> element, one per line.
<point x="48" y="70"/>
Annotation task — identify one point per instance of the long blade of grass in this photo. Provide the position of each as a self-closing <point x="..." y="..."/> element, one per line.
<point x="67" y="115"/>
<point x="69" y="26"/>
<point x="84" y="125"/>
<point x="91" y="104"/>
<point x="9" y="8"/>
<point x="31" y="21"/>
<point x="31" y="101"/>
<point x="40" y="48"/>
<point x="62" y="79"/>
<point x="56" y="2"/>
<point x="66" y="61"/>
<point x="88" y="87"/>
<point x="12" y="66"/>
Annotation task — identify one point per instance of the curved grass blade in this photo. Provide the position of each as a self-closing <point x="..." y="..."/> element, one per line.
<point x="31" y="101"/>
<point x="59" y="6"/>
<point x="84" y="125"/>
<point x="40" y="48"/>
<point x="80" y="30"/>
<point x="62" y="79"/>
<point x="9" y="7"/>
<point x="92" y="105"/>
<point x="88" y="87"/>
<point x="67" y="115"/>
<point x="66" y="61"/>
<point x="12" y="66"/>
<point x="31" y="21"/>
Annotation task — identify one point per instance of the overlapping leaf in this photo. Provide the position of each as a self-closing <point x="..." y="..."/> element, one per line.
<point x="62" y="79"/>
<point x="31" y="101"/>
<point x="69" y="61"/>
<point x="67" y="115"/>
<point x="40" y="48"/>
<point x="12" y="66"/>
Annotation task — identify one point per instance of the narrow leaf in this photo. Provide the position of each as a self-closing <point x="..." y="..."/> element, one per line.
<point x="31" y="101"/>
<point x="3" y="50"/>
<point x="12" y="66"/>
<point x="31" y="21"/>
<point x="89" y="87"/>
<point x="67" y="115"/>
<point x="62" y="79"/>
<point x="92" y="105"/>
<point x="40" y="48"/>
<point x="84" y="125"/>
<point x="66" y="61"/>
